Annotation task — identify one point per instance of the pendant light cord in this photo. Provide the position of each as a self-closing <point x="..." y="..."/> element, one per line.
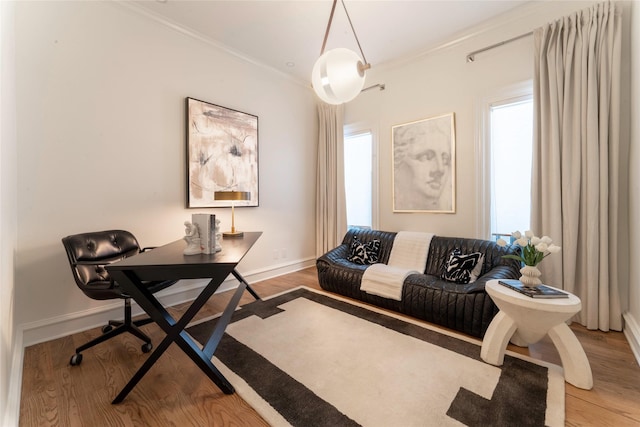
<point x="326" y="34"/>
<point x="354" y="32"/>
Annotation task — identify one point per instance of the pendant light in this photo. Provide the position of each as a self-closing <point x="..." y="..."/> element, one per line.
<point x="338" y="75"/>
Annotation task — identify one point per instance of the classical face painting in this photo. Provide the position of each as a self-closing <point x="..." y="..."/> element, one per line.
<point x="424" y="165"/>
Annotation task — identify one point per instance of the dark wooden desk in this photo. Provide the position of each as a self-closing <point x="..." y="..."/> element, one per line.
<point x="168" y="262"/>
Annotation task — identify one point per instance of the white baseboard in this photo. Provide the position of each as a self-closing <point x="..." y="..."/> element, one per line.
<point x="632" y="332"/>
<point x="186" y="290"/>
<point x="12" y="410"/>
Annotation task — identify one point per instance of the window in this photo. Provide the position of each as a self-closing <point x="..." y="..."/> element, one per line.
<point x="511" y="131"/>
<point x="505" y="148"/>
<point x="359" y="179"/>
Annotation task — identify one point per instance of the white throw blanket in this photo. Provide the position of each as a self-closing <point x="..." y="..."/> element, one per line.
<point x="408" y="256"/>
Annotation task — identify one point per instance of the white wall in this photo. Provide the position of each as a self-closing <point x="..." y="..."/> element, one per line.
<point x="101" y="143"/>
<point x="442" y="82"/>
<point x="632" y="317"/>
<point x="8" y="220"/>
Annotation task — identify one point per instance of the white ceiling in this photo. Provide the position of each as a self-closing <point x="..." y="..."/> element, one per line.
<point x="287" y="35"/>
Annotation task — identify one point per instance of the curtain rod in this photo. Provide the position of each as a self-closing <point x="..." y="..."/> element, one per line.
<point x="379" y="85"/>
<point x="472" y="56"/>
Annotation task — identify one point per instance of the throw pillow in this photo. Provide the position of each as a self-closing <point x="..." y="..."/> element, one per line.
<point x="364" y="253"/>
<point x="462" y="268"/>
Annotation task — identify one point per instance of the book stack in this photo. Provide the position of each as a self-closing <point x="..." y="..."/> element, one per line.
<point x="540" y="291"/>
<point x="206" y="224"/>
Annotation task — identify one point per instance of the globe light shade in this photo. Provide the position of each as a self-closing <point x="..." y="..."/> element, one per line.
<point x="338" y="76"/>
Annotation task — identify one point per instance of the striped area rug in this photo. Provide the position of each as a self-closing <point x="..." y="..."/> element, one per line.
<point x="307" y="358"/>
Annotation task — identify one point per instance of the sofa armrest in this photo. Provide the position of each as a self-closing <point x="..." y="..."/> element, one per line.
<point x="337" y="258"/>
<point x="497" y="272"/>
<point x="336" y="254"/>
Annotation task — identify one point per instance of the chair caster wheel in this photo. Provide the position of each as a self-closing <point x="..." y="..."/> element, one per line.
<point x="76" y="359"/>
<point x="106" y="328"/>
<point x="146" y="347"/>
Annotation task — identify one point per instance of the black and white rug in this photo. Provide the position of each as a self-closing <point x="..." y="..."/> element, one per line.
<point x="306" y="358"/>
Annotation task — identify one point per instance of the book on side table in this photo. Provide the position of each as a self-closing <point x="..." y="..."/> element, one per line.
<point x="540" y="291"/>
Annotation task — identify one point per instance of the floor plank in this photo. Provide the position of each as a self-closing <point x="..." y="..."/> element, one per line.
<point x="176" y="393"/>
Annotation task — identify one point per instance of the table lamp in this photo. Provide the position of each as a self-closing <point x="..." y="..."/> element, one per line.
<point x="232" y="196"/>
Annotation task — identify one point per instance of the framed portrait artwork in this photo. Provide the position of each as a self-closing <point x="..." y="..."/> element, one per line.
<point x="424" y="165"/>
<point x="222" y="154"/>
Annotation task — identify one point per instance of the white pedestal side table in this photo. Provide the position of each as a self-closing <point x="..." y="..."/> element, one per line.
<point x="525" y="320"/>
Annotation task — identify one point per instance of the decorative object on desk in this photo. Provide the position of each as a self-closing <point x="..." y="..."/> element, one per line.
<point x="222" y="153"/>
<point x="279" y="361"/>
<point x="192" y="237"/>
<point x="218" y="236"/>
<point x="206" y="224"/>
<point x="232" y="196"/>
<point x="534" y="250"/>
<point x="540" y="291"/>
<point x="424" y="167"/>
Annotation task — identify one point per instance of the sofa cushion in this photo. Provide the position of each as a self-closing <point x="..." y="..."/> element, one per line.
<point x="364" y="253"/>
<point x="463" y="268"/>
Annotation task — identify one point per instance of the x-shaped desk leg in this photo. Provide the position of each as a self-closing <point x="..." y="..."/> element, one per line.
<point x="175" y="330"/>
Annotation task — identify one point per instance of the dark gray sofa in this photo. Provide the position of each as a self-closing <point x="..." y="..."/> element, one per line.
<point x="464" y="307"/>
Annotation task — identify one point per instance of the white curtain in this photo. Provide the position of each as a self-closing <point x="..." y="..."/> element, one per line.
<point x="575" y="188"/>
<point x="331" y="214"/>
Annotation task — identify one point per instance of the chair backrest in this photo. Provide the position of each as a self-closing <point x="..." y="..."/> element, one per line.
<point x="88" y="253"/>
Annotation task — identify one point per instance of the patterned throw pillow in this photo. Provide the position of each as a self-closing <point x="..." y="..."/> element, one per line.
<point x="462" y="268"/>
<point x="364" y="253"/>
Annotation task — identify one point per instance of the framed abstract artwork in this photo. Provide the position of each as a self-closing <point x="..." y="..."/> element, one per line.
<point x="424" y="165"/>
<point x="222" y="154"/>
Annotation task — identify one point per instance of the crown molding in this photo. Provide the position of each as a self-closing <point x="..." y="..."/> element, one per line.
<point x="493" y="24"/>
<point x="175" y="26"/>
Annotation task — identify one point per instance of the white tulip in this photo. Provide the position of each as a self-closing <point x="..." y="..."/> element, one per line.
<point x="516" y="235"/>
<point x="522" y="242"/>
<point x="535" y="240"/>
<point x="546" y="239"/>
<point x="542" y="247"/>
<point x="501" y="242"/>
<point x="554" y="249"/>
<point x="529" y="233"/>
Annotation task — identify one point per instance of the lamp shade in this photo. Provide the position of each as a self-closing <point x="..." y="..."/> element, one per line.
<point x="338" y="76"/>
<point x="232" y="195"/>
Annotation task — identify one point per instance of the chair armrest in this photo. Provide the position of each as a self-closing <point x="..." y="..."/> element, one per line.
<point x="97" y="262"/>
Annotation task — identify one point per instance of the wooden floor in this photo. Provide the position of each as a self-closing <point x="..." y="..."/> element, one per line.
<point x="176" y="393"/>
